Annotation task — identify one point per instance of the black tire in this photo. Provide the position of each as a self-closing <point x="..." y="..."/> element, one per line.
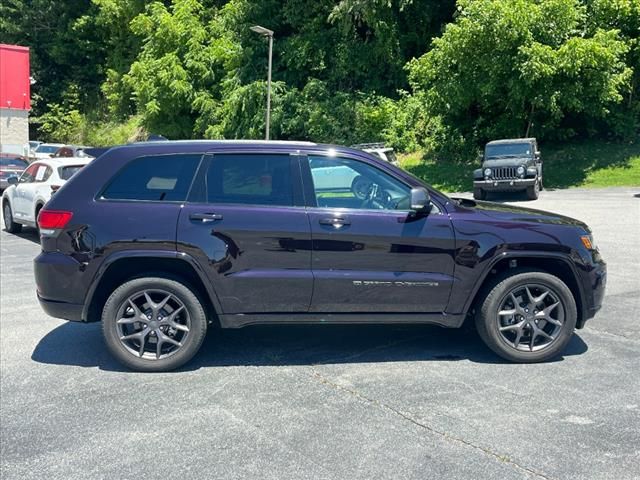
<point x="37" y="212"/>
<point x="9" y="225"/>
<point x="488" y="322"/>
<point x="533" y="192"/>
<point x="191" y="341"/>
<point x="479" y="194"/>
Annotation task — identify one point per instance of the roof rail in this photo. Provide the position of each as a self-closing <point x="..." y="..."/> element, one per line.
<point x="362" y="146"/>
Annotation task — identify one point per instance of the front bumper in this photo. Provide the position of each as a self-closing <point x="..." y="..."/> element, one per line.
<point x="594" y="281"/>
<point x="504" y="185"/>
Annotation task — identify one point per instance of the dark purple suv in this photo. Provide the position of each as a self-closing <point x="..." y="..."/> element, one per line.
<point x="161" y="240"/>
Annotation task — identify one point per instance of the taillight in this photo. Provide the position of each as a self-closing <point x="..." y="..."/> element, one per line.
<point x="53" y="219"/>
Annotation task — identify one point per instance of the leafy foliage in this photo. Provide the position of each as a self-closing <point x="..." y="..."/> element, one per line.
<point x="437" y="75"/>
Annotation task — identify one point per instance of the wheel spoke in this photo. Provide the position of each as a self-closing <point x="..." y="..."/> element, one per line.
<point x="149" y="301"/>
<point x="547" y="311"/>
<point x="159" y="347"/>
<point x="534" y="334"/>
<point x="158" y="306"/>
<point x="127" y="321"/>
<point x="179" y="326"/>
<point x="540" y="298"/>
<point x="542" y="333"/>
<point x="516" y="342"/>
<point x="529" y="296"/>
<point x="508" y="328"/>
<point x="507" y="312"/>
<point x="133" y="336"/>
<point x="143" y="341"/>
<point x="166" y="338"/>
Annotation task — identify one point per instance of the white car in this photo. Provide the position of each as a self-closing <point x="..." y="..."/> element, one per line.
<point x="23" y="199"/>
<point x="45" y="150"/>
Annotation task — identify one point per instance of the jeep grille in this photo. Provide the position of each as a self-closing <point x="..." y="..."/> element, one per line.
<point x="504" y="173"/>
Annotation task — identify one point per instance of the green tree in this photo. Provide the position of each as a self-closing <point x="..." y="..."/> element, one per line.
<point x="516" y="67"/>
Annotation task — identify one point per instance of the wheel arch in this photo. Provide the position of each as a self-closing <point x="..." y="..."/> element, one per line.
<point x="125" y="266"/>
<point x="557" y="265"/>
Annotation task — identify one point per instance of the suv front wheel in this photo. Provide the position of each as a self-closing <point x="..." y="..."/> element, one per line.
<point x="153" y="324"/>
<point x="527" y="317"/>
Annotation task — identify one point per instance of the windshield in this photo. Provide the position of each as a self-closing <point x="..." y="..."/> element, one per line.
<point x="13" y="162"/>
<point x="47" y="149"/>
<point x="508" y="150"/>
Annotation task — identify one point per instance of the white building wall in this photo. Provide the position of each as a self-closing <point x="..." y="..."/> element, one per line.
<point x="14" y="130"/>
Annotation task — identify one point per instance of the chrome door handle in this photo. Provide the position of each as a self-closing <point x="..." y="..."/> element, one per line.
<point x="205" y="217"/>
<point x="335" y="222"/>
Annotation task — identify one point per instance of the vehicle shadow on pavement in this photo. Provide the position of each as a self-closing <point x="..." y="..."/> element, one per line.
<point x="30" y="234"/>
<point x="82" y="345"/>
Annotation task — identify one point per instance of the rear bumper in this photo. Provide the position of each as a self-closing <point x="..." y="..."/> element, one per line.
<point x="60" y="287"/>
<point x="67" y="311"/>
<point x="504" y="185"/>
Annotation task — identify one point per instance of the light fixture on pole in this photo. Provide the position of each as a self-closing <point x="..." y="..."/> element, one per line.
<point x="265" y="32"/>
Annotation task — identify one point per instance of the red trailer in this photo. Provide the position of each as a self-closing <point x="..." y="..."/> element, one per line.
<point x="15" y="98"/>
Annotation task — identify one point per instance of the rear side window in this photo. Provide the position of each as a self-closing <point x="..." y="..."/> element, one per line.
<point x="250" y="179"/>
<point x="67" y="172"/>
<point x="154" y="178"/>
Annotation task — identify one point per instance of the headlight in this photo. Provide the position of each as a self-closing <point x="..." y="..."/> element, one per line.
<point x="487" y="172"/>
<point x="520" y="170"/>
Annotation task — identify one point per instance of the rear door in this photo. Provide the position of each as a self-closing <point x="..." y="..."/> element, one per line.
<point x="370" y="253"/>
<point x="246" y="222"/>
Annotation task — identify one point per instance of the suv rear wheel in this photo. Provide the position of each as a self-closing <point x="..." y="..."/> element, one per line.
<point x="9" y="224"/>
<point x="527" y="317"/>
<point x="153" y="324"/>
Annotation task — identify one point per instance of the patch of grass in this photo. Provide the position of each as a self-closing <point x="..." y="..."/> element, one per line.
<point x="590" y="164"/>
<point x="443" y="175"/>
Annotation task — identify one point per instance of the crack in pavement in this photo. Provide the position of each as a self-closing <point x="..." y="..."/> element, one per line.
<point x="316" y="375"/>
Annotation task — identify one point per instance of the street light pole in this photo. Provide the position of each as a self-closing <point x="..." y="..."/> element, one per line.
<point x="265" y="32"/>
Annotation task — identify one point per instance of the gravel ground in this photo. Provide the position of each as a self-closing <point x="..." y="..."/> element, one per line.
<point x="331" y="402"/>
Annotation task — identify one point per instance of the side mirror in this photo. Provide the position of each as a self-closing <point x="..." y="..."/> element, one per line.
<point x="13" y="180"/>
<point x="420" y="199"/>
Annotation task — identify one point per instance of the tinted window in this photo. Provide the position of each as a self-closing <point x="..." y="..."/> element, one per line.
<point x="159" y="178"/>
<point x="29" y="174"/>
<point x="64" y="152"/>
<point x="13" y="162"/>
<point x="47" y="149"/>
<point x="67" y="172"/>
<point x="252" y="179"/>
<point x="348" y="183"/>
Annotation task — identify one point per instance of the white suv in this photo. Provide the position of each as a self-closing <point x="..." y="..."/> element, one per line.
<point x="24" y="198"/>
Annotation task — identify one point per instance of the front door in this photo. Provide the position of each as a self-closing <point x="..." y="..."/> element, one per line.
<point x="247" y="224"/>
<point x="24" y="190"/>
<point x="370" y="252"/>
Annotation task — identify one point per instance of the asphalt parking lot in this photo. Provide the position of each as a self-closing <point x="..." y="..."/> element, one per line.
<point x="330" y="402"/>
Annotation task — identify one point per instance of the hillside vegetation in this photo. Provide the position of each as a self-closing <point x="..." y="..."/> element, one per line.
<point x="439" y="76"/>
